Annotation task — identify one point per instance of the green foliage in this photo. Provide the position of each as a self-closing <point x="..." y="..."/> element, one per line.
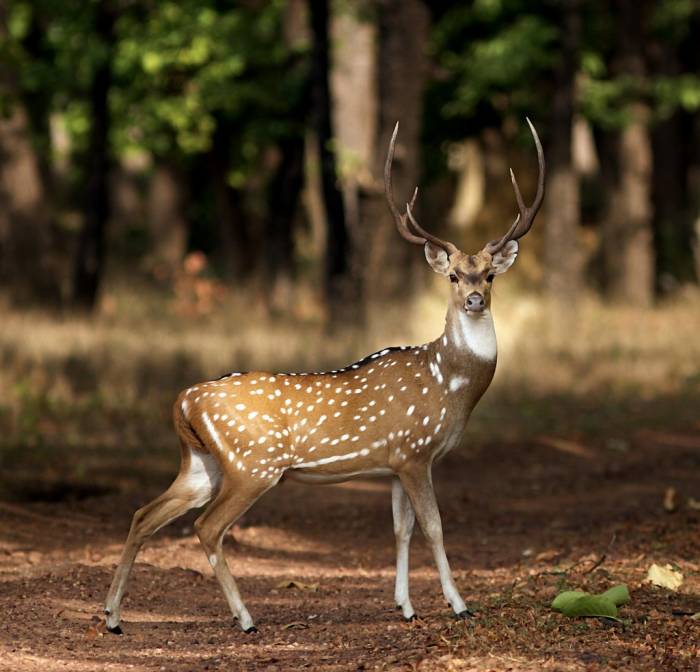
<point x="497" y="57"/>
<point x="490" y="51"/>
<point x="182" y="66"/>
<point x="180" y="69"/>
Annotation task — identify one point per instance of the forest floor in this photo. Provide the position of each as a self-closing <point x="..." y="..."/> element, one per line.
<point x="521" y="523"/>
<point x="560" y="483"/>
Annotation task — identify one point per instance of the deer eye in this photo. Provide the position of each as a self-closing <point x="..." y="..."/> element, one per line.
<point x="453" y="278"/>
<point x="490" y="277"/>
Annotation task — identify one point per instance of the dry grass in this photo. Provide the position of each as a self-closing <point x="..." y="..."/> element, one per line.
<point x="108" y="382"/>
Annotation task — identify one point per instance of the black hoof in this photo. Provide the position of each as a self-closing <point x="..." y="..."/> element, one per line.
<point x="412" y="617"/>
<point x="116" y="630"/>
<point x="464" y="615"/>
<point x="250" y="630"/>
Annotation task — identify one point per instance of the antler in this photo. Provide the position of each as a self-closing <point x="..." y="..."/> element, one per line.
<point x="523" y="222"/>
<point x="401" y="220"/>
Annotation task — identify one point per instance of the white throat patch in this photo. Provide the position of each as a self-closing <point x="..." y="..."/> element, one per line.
<point x="476" y="334"/>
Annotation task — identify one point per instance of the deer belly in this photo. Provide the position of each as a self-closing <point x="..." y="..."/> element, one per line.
<point x="326" y="477"/>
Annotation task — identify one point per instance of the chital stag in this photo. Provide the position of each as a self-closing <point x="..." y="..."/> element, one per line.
<point x="391" y="414"/>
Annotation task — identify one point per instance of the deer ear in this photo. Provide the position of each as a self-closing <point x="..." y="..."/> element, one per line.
<point x="437" y="258"/>
<point x="504" y="258"/>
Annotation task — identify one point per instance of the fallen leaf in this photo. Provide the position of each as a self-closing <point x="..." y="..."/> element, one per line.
<point x="664" y="577"/>
<point x="588" y="605"/>
<point x="618" y="595"/>
<point x="313" y="587"/>
<point x="576" y="603"/>
<point x="565" y="599"/>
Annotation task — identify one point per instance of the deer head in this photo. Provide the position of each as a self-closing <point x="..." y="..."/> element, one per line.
<point x="471" y="275"/>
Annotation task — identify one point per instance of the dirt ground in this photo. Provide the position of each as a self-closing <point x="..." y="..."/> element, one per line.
<point x="521" y="523"/>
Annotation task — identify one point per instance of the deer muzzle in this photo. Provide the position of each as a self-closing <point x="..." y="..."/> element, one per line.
<point x="475" y="303"/>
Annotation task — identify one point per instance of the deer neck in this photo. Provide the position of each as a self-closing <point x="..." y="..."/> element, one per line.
<point x="468" y="351"/>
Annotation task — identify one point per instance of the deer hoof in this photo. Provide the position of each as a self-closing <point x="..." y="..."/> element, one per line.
<point x="116" y="630"/>
<point x="464" y="615"/>
<point x="250" y="630"/>
<point x="412" y="617"/>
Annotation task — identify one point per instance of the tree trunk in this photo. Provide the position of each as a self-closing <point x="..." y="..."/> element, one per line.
<point x="283" y="199"/>
<point x="401" y="72"/>
<point x="167" y="224"/>
<point x="91" y="244"/>
<point x="237" y="251"/>
<point x="627" y="238"/>
<point x="342" y="287"/>
<point x="562" y="260"/>
<point x="673" y="231"/>
<point x="25" y="225"/>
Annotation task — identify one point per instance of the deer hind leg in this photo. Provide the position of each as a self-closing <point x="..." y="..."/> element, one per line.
<point x="418" y="483"/>
<point x="235" y="497"/>
<point x="193" y="487"/>
<point x="404" y="519"/>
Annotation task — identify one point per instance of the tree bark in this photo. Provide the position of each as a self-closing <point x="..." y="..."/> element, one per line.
<point x="562" y="207"/>
<point x="343" y="288"/>
<point x="673" y="230"/>
<point x="237" y="250"/>
<point x="89" y="264"/>
<point x="283" y="200"/>
<point x="627" y="236"/>
<point x="401" y="72"/>
<point x="26" y="264"/>
<point x="168" y="227"/>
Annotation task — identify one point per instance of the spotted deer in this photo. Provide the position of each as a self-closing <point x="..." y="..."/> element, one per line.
<point x="393" y="413"/>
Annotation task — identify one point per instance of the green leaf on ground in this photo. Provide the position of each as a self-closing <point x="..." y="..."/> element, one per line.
<point x="566" y="599"/>
<point x="618" y="595"/>
<point x="577" y="603"/>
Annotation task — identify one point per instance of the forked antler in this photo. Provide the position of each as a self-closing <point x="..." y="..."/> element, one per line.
<point x="526" y="216"/>
<point x="402" y="220"/>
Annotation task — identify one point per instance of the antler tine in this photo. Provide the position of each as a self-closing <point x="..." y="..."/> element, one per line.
<point x="444" y="244"/>
<point x="495" y="245"/>
<point x="398" y="217"/>
<point x="401" y="220"/>
<point x="523" y="222"/>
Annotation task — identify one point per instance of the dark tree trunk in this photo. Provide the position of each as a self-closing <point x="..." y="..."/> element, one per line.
<point x="27" y="267"/>
<point x="627" y="235"/>
<point x="562" y="209"/>
<point x="38" y="103"/>
<point x="343" y="288"/>
<point x="283" y="200"/>
<point x="236" y="246"/>
<point x="91" y="245"/>
<point x="673" y="229"/>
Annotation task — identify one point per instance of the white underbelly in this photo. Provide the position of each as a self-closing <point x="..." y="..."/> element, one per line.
<point x="306" y="476"/>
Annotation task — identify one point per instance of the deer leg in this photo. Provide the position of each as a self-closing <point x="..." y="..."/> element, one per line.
<point x="233" y="500"/>
<point x="404" y="519"/>
<point x="192" y="488"/>
<point x="418" y="484"/>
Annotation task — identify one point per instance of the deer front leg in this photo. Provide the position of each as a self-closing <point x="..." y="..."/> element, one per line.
<point x="404" y="519"/>
<point x="418" y="484"/>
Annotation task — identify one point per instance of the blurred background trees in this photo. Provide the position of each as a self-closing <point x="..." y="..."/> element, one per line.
<point x="134" y="134"/>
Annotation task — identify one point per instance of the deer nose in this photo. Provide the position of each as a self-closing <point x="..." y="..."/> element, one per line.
<point x="475" y="303"/>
